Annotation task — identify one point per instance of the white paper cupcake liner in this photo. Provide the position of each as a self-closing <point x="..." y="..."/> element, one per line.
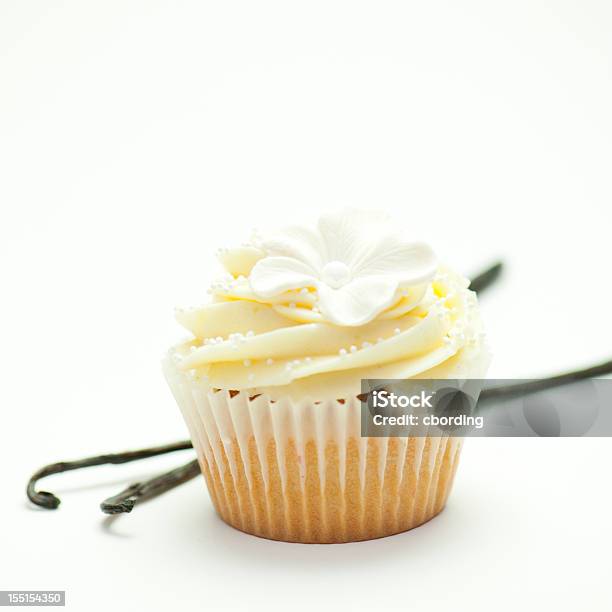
<point x="299" y="471"/>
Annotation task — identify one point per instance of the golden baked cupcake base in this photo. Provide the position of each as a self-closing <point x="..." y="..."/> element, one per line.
<point x="326" y="513"/>
<point x="300" y="471"/>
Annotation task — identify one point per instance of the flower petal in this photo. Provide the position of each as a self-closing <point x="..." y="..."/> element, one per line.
<point x="274" y="275"/>
<point x="348" y="234"/>
<point x="407" y="263"/>
<point x="301" y="243"/>
<point x="359" y="301"/>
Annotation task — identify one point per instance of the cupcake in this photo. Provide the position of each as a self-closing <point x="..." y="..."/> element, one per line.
<point x="269" y="380"/>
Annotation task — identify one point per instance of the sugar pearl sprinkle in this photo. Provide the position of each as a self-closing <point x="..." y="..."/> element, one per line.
<point x="441" y="314"/>
<point x="353" y="349"/>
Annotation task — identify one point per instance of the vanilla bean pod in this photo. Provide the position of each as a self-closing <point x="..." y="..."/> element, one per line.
<point x="486" y="278"/>
<point x="141" y="491"/>
<point x="533" y="386"/>
<point x="51" y="502"/>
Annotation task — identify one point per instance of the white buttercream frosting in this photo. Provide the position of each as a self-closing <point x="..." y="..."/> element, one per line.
<point x="315" y="310"/>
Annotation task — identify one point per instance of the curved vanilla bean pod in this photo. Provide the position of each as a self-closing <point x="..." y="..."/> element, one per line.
<point x="141" y="491"/>
<point x="533" y="386"/>
<point x="44" y="499"/>
<point x="486" y="278"/>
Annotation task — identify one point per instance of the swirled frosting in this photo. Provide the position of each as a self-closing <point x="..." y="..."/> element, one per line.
<point x="314" y="311"/>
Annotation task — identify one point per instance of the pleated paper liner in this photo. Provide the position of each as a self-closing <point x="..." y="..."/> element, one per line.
<point x="299" y="471"/>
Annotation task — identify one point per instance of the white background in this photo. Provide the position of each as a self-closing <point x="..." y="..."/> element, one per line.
<point x="137" y="137"/>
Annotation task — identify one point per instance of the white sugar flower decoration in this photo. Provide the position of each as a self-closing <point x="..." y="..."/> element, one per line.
<point x="357" y="262"/>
